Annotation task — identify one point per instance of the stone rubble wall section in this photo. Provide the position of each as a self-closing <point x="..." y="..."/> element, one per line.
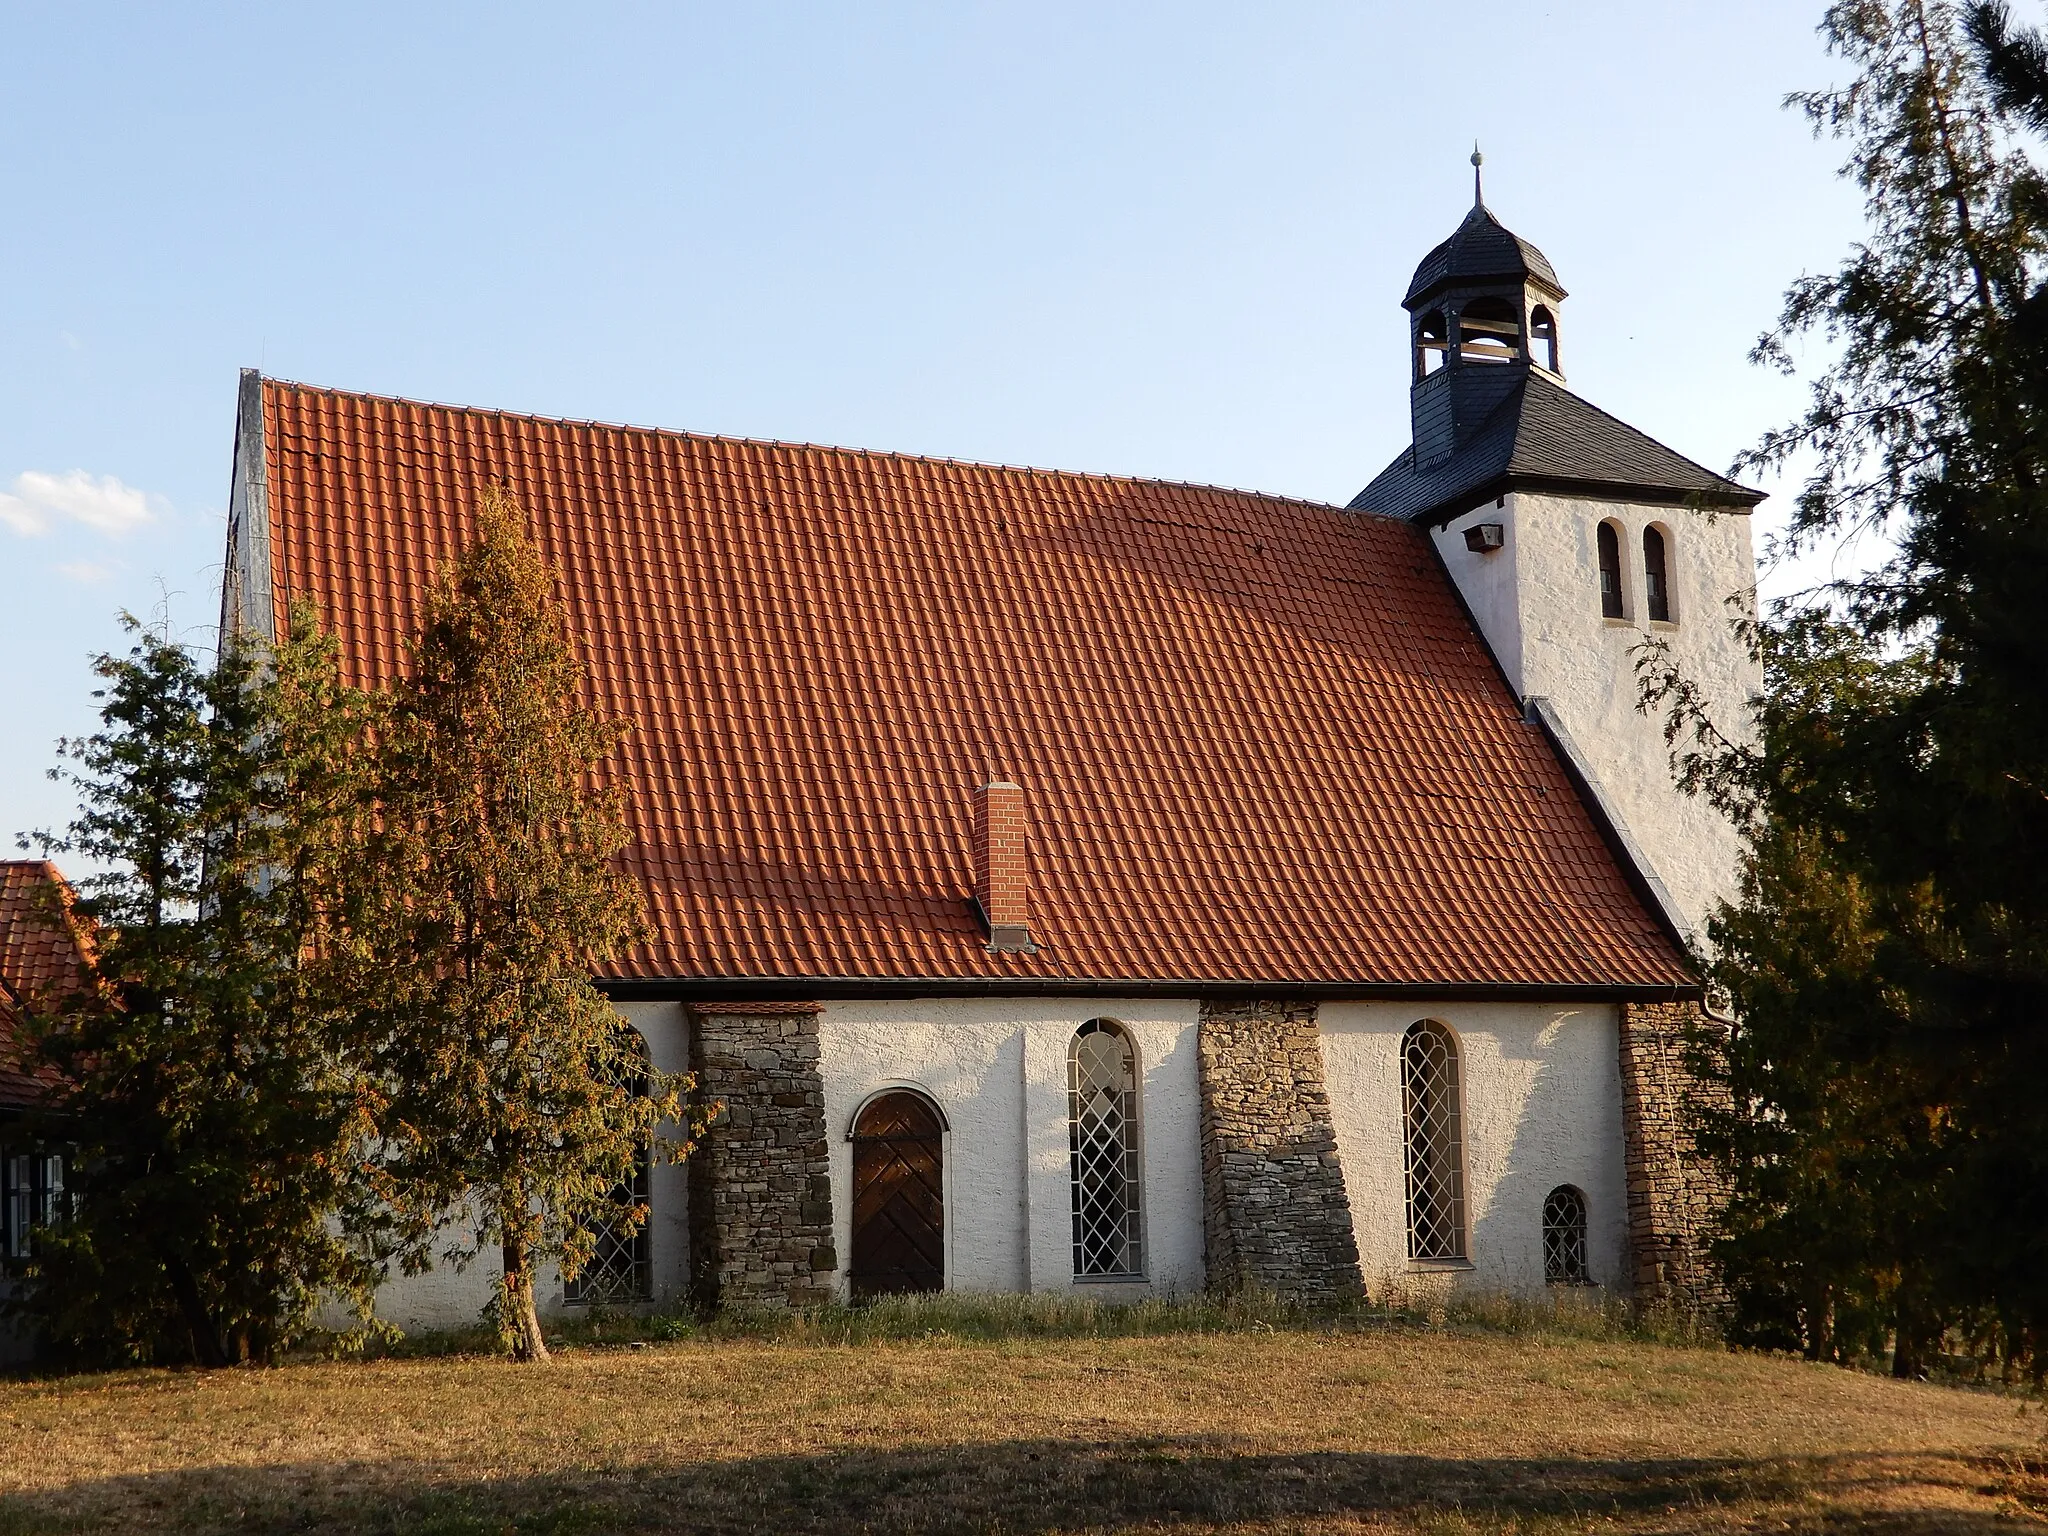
<point x="1275" y="1216"/>
<point x="1675" y="1196"/>
<point x="760" y="1211"/>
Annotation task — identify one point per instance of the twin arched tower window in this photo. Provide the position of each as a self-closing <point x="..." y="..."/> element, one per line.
<point x="1656" y="578"/>
<point x="1656" y="573"/>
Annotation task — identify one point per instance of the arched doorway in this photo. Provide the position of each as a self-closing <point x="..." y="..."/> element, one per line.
<point x="899" y="1213"/>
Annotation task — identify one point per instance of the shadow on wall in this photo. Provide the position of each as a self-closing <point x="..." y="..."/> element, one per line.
<point x="1562" y="1132"/>
<point x="1012" y="1488"/>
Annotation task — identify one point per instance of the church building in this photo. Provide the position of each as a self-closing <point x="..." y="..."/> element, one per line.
<point x="1093" y="885"/>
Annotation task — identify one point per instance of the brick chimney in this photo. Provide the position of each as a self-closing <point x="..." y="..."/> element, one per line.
<point x="1001" y="875"/>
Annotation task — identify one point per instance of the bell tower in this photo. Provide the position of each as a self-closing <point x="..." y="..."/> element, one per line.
<point x="1576" y="541"/>
<point x="1482" y="312"/>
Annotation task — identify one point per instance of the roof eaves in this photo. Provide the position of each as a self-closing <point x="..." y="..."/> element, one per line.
<point x="786" y="988"/>
<point x="1460" y="502"/>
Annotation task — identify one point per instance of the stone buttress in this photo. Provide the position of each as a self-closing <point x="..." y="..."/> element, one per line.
<point x="760" y="1213"/>
<point x="1274" y="1213"/>
<point x="1674" y="1195"/>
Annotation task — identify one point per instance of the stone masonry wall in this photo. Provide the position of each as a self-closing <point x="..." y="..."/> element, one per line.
<point x="1274" y="1212"/>
<point x="1674" y="1196"/>
<point x="760" y="1188"/>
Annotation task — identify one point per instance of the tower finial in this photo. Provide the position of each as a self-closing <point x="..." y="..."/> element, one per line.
<point x="1478" y="201"/>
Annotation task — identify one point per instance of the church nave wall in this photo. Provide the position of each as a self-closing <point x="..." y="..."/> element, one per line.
<point x="996" y="1068"/>
<point x="1540" y="1106"/>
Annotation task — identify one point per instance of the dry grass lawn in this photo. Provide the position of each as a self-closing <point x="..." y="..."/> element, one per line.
<point x="1396" y="1429"/>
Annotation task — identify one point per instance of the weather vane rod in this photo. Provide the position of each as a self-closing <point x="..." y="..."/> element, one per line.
<point x="1477" y="160"/>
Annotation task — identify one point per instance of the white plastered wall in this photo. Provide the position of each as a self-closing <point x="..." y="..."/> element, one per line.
<point x="1541" y="1088"/>
<point x="445" y="1298"/>
<point x="997" y="1069"/>
<point x="1537" y="601"/>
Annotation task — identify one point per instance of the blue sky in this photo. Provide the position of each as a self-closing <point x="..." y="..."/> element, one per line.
<point x="1144" y="238"/>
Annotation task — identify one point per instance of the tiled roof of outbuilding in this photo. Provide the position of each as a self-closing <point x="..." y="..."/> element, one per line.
<point x="1259" y="739"/>
<point x="42" y="957"/>
<point x="1544" y="435"/>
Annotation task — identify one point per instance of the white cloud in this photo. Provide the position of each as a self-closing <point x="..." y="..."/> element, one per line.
<point x="20" y="516"/>
<point x="86" y="571"/>
<point x="100" y="502"/>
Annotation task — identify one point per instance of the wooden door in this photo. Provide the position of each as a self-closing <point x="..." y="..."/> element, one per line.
<point x="899" y="1217"/>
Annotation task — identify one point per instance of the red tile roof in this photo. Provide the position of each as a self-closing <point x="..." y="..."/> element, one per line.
<point x="1258" y="738"/>
<point x="40" y="959"/>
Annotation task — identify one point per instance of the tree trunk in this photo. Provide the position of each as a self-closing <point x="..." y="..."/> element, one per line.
<point x="1914" y="1342"/>
<point x="520" y="1323"/>
<point x="207" y="1350"/>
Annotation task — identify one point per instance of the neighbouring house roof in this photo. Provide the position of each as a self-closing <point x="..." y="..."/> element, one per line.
<point x="1543" y="437"/>
<point x="43" y="955"/>
<point x="1259" y="740"/>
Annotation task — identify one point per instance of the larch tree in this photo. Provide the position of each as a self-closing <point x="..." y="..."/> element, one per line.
<point x="519" y="1100"/>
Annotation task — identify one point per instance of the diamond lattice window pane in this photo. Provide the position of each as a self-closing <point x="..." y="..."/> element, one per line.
<point x="1436" y="1174"/>
<point x="1564" y="1237"/>
<point x="1102" y="1112"/>
<point x="620" y="1270"/>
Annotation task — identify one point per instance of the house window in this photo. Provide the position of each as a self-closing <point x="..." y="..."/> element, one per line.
<point x="1564" y="1237"/>
<point x="620" y="1270"/>
<point x="1656" y="584"/>
<point x="1102" y="1119"/>
<point x="1610" y="571"/>
<point x="1436" y="1173"/>
<point x="31" y="1196"/>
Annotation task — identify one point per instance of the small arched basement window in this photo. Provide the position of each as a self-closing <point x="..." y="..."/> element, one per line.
<point x="1543" y="333"/>
<point x="1564" y="1237"/>
<point x="1656" y="575"/>
<point x="620" y="1269"/>
<point x="1435" y="1136"/>
<point x="1609" y="538"/>
<point x="1102" y="1123"/>
<point x="1489" y="332"/>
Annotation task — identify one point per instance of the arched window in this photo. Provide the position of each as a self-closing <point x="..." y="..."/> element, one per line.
<point x="1432" y="336"/>
<point x="1564" y="1237"/>
<point x="1102" y="1119"/>
<point x="1543" y="332"/>
<point x="1656" y="578"/>
<point x="1610" y="571"/>
<point x="1436" y="1155"/>
<point x="620" y="1269"/>
<point x="1489" y="332"/>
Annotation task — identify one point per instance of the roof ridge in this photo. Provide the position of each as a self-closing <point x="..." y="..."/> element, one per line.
<point x="781" y="442"/>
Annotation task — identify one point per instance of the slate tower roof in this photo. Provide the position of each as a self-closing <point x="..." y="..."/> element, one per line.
<point x="1481" y="250"/>
<point x="1489" y="409"/>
